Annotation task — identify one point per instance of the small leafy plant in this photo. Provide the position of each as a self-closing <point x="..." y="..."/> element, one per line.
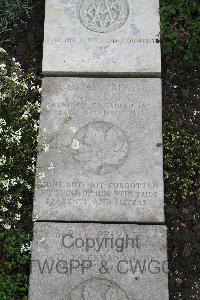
<point x="13" y="13"/>
<point x="19" y="113"/>
<point x="19" y="107"/>
<point x="15" y="259"/>
<point x="180" y="23"/>
<point x="181" y="161"/>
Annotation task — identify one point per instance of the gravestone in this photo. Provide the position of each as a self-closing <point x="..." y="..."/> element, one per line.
<point x="118" y="37"/>
<point x="102" y="151"/>
<point x="99" y="167"/>
<point x="98" y="262"/>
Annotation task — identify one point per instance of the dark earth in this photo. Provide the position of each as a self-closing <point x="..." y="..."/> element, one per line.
<point x="180" y="81"/>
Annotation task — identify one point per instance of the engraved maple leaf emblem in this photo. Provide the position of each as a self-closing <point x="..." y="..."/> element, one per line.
<point x="93" y="293"/>
<point x="98" y="289"/>
<point x="102" y="147"/>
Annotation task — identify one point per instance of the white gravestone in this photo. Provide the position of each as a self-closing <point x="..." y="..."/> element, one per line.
<point x="102" y="151"/>
<point x="98" y="262"/>
<point x="102" y="37"/>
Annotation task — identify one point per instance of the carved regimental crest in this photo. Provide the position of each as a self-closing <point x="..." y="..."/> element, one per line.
<point x="101" y="147"/>
<point x="97" y="289"/>
<point x="103" y="15"/>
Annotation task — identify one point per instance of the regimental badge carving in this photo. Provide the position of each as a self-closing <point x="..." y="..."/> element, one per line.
<point x="103" y="15"/>
<point x="98" y="289"/>
<point x="101" y="147"/>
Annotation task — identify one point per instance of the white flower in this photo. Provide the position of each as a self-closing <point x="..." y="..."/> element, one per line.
<point x="2" y="66"/>
<point x="14" y="137"/>
<point x="1" y="220"/>
<point x="35" y="126"/>
<point x="35" y="218"/>
<point x="2" y="160"/>
<point x="37" y="104"/>
<point x="7" y="226"/>
<point x="23" y="249"/>
<point x="25" y="115"/>
<point x="4" y="209"/>
<point x="41" y="175"/>
<point x="26" y="247"/>
<point x="75" y="144"/>
<point x="72" y="129"/>
<point x="25" y="86"/>
<point x="2" y="121"/>
<point x="19" y="205"/>
<point x="51" y="167"/>
<point x="33" y="159"/>
<point x="13" y="181"/>
<point x="17" y="64"/>
<point x="17" y="217"/>
<point x="2" y="50"/>
<point x="32" y="168"/>
<point x="46" y="147"/>
<point x="28" y="186"/>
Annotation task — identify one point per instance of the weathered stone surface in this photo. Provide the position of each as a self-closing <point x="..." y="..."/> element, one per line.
<point x="110" y="169"/>
<point x="102" y="36"/>
<point x="98" y="262"/>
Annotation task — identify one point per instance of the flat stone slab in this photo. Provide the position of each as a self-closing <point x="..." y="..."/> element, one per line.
<point x="102" y="151"/>
<point x="98" y="262"/>
<point x="102" y="36"/>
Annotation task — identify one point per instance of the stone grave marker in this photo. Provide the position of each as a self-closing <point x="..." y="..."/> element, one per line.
<point x="100" y="155"/>
<point x="102" y="151"/>
<point x="103" y="37"/>
<point x="98" y="262"/>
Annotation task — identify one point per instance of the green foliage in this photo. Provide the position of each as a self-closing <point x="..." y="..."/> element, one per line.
<point x="13" y="13"/>
<point x="15" y="258"/>
<point x="180" y="22"/>
<point x="19" y="113"/>
<point x="181" y="161"/>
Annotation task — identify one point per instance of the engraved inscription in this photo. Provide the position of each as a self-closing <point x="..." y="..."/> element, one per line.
<point x="101" y="147"/>
<point x="103" y="15"/>
<point x="98" y="289"/>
